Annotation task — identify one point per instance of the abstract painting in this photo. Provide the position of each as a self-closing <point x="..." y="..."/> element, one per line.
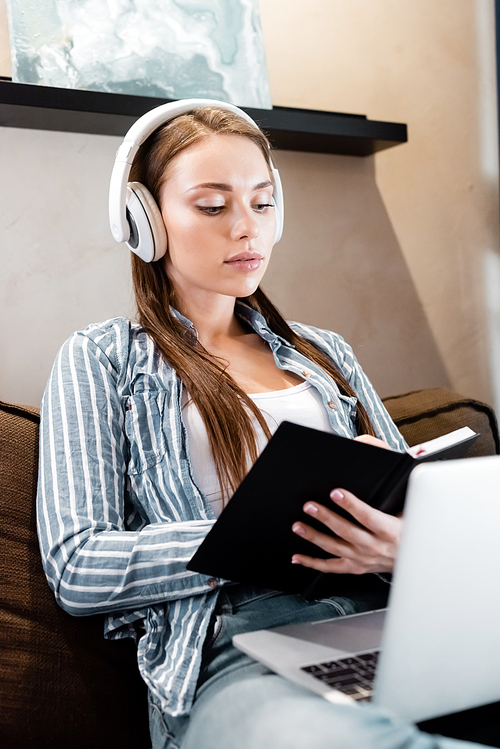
<point x="171" y="49"/>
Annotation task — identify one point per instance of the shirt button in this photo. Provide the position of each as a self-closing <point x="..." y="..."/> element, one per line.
<point x="331" y="404"/>
<point x="213" y="582"/>
<point x="305" y="374"/>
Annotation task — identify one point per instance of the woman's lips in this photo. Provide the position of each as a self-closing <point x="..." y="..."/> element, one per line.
<point x="245" y="261"/>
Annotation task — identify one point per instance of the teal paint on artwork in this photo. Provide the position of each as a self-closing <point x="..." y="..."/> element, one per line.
<point x="170" y="49"/>
<point x="226" y="18"/>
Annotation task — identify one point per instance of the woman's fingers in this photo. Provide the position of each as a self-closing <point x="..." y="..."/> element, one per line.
<point x="335" y="546"/>
<point x="369" y="440"/>
<point x="374" y="520"/>
<point x="345" y="557"/>
<point x="371" y="520"/>
<point x="371" y="547"/>
<point x="339" y="566"/>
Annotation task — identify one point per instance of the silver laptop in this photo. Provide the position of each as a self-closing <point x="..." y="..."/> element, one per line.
<point x="438" y="642"/>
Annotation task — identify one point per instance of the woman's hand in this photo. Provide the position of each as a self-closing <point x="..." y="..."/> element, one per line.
<point x="369" y="440"/>
<point x="357" y="550"/>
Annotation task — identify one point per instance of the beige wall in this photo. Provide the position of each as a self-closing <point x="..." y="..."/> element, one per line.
<point x="398" y="252"/>
<point x="430" y="65"/>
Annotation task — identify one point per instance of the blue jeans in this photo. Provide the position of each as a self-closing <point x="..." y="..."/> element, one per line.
<point x="240" y="703"/>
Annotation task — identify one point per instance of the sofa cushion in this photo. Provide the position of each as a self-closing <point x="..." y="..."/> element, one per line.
<point x="422" y="415"/>
<point x="63" y="684"/>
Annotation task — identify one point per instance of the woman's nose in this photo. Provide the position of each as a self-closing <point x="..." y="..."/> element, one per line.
<point x="245" y="225"/>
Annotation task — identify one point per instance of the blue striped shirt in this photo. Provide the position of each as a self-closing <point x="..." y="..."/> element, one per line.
<point x="119" y="514"/>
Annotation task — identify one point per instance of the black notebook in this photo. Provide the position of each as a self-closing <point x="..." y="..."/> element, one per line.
<point x="252" y="540"/>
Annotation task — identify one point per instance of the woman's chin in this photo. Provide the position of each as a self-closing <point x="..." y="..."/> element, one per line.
<point x="242" y="287"/>
<point x="247" y="290"/>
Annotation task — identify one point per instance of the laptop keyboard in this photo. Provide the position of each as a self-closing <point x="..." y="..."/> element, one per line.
<point x="353" y="676"/>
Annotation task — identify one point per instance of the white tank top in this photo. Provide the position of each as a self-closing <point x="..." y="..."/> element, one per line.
<point x="300" y="404"/>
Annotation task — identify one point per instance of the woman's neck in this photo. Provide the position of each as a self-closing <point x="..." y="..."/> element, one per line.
<point x="214" y="320"/>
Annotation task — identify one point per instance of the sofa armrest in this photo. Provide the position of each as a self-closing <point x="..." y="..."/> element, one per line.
<point x="422" y="415"/>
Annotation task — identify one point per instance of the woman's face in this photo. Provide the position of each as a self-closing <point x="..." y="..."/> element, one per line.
<point x="216" y="203"/>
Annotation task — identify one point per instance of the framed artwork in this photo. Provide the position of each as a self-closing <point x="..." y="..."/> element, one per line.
<point x="170" y="49"/>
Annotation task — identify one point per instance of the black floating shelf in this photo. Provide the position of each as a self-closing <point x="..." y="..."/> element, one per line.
<point x="45" y="108"/>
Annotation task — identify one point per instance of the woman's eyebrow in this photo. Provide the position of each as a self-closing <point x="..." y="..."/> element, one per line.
<point x="227" y="188"/>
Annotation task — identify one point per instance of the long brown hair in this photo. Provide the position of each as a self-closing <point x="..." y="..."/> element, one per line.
<point x="225" y="408"/>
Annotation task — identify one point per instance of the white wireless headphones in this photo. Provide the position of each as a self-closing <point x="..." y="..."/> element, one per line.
<point x="133" y="213"/>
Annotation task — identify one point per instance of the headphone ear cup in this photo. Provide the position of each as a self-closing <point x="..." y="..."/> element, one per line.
<point x="148" y="236"/>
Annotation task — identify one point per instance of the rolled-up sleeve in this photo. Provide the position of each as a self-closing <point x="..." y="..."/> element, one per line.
<point x="92" y="562"/>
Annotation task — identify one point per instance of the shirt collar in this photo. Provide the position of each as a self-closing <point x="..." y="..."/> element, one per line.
<point x="243" y="310"/>
<point x="190" y="333"/>
<point x="258" y="323"/>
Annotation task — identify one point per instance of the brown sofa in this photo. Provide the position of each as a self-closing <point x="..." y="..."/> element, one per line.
<point x="61" y="683"/>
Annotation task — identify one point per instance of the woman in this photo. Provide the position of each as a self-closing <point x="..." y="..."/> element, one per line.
<point x="148" y="428"/>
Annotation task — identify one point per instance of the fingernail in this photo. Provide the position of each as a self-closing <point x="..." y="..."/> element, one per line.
<point x="337" y="496"/>
<point x="310" y="509"/>
<point x="295" y="560"/>
<point x="298" y="529"/>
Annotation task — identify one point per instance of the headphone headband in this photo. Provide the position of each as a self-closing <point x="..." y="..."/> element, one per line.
<point x="119" y="214"/>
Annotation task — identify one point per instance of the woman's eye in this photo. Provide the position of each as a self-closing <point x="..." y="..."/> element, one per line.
<point x="211" y="210"/>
